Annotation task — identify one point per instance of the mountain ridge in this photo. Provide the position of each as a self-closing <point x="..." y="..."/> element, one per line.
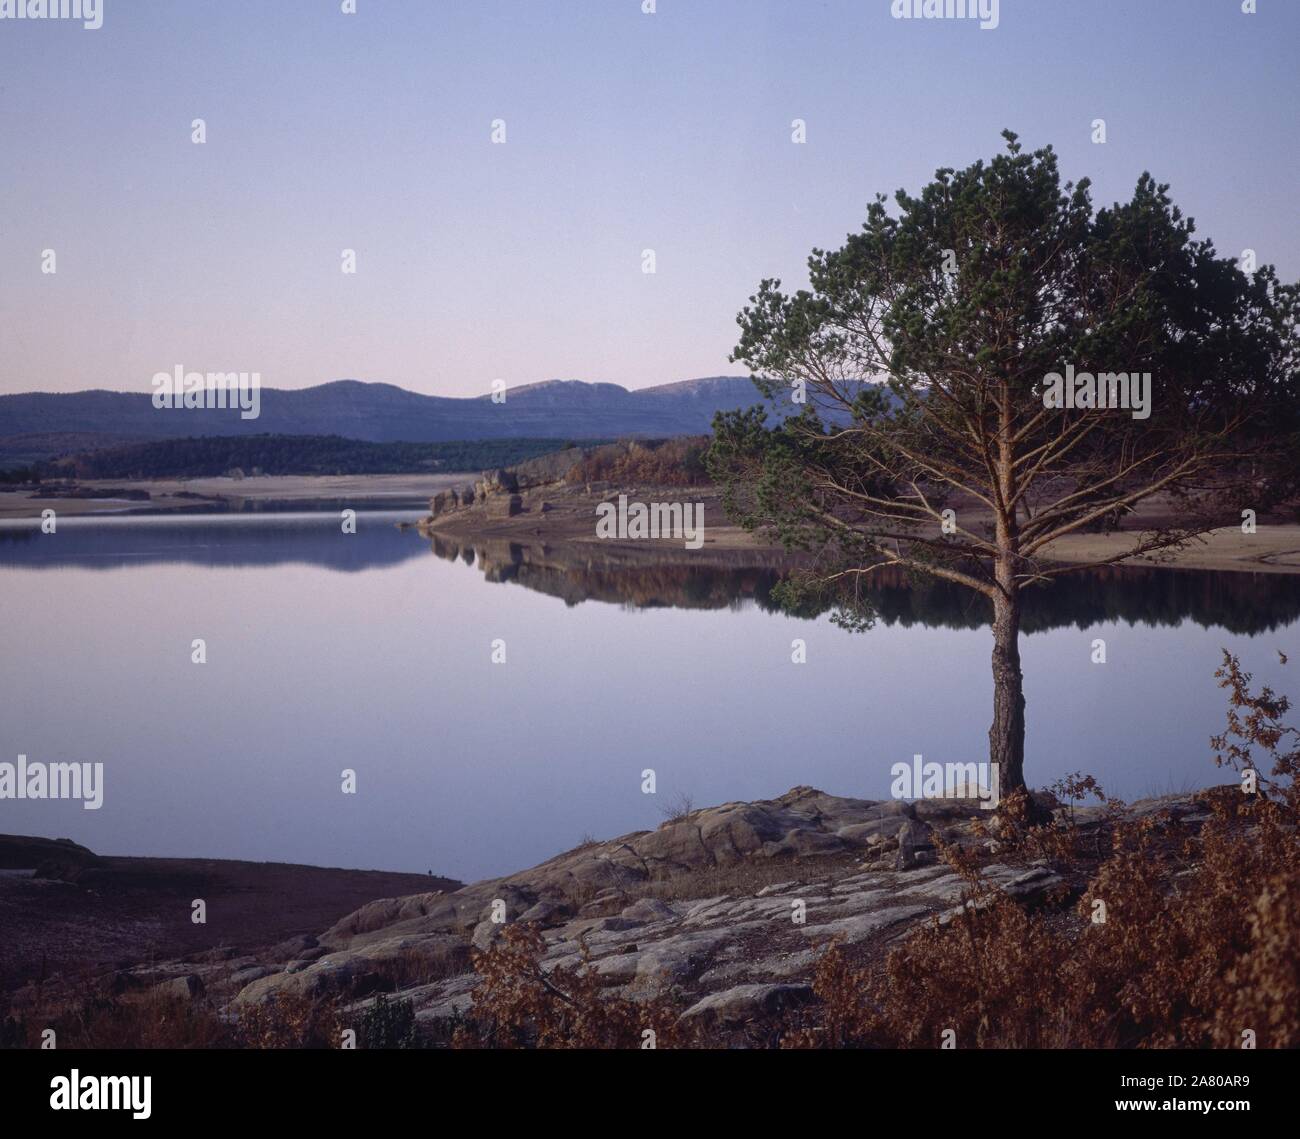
<point x="382" y="412"/>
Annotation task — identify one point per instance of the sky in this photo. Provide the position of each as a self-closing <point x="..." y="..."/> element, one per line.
<point x="624" y="132"/>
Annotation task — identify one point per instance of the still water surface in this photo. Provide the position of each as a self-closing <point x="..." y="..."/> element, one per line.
<point x="374" y="652"/>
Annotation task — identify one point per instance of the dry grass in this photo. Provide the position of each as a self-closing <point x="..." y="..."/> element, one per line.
<point x="418" y="965"/>
<point x="137" y="1020"/>
<point x="748" y="877"/>
<point x="287" y="1021"/>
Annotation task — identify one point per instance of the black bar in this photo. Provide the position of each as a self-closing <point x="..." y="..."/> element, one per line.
<point x="366" y="1088"/>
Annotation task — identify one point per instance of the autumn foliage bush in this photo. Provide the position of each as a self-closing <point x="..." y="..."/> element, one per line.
<point x="669" y="462"/>
<point x="518" y="1005"/>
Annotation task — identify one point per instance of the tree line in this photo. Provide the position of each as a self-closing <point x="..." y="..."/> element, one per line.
<point x="216" y="455"/>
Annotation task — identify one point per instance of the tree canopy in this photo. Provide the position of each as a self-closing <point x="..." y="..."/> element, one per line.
<point x="1037" y="282"/>
<point x="931" y="352"/>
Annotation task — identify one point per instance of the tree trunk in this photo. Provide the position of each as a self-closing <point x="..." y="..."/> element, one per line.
<point x="1007" y="735"/>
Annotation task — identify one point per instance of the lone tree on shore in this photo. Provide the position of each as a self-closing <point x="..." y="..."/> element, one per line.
<point x="930" y="435"/>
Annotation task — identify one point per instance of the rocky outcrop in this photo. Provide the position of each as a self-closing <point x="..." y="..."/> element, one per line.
<point x="499" y="481"/>
<point x="748" y="1002"/>
<point x="797" y="873"/>
<point x="725" y="911"/>
<point x="187" y="987"/>
<point x="444" y="502"/>
<point x="497" y="490"/>
<point x="504" y="505"/>
<point x="914" y="845"/>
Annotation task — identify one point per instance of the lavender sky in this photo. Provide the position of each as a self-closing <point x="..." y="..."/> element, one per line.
<point x="625" y="132"/>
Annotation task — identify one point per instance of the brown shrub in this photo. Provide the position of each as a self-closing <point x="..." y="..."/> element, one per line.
<point x="517" y="1005"/>
<point x="289" y="1021"/>
<point x="669" y="462"/>
<point x="138" y="1020"/>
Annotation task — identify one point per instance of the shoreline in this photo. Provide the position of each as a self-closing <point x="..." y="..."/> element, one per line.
<point x="175" y="496"/>
<point x="557" y="513"/>
<point x="561" y="514"/>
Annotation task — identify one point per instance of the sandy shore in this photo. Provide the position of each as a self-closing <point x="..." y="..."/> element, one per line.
<point x="1271" y="549"/>
<point x="570" y="515"/>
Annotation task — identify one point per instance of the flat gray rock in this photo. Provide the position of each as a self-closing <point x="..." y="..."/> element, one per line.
<point x="747" y="1002"/>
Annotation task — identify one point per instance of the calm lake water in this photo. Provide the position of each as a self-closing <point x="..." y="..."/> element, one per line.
<point x="374" y="652"/>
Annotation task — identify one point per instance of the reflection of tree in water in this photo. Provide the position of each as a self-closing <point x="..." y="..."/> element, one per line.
<point x="1239" y="602"/>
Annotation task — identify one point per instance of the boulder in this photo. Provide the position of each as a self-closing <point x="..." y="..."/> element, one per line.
<point x="775" y="888"/>
<point x="677" y="960"/>
<point x="378" y="918"/>
<point x="913" y="840"/>
<point x="250" y="973"/>
<point x="187" y="987"/>
<point x="1032" y="886"/>
<point x="594" y="880"/>
<point x="349" y="974"/>
<point x="544" y="913"/>
<point x="504" y="505"/>
<point x="605" y="903"/>
<point x="485" y="933"/>
<point x="500" y="481"/>
<point x="649" y="910"/>
<point x="618" y="968"/>
<point x="292" y="947"/>
<point x="746" y="1002"/>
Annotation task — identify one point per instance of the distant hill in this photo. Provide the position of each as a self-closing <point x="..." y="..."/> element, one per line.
<point x="384" y="413"/>
<point x="215" y="455"/>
